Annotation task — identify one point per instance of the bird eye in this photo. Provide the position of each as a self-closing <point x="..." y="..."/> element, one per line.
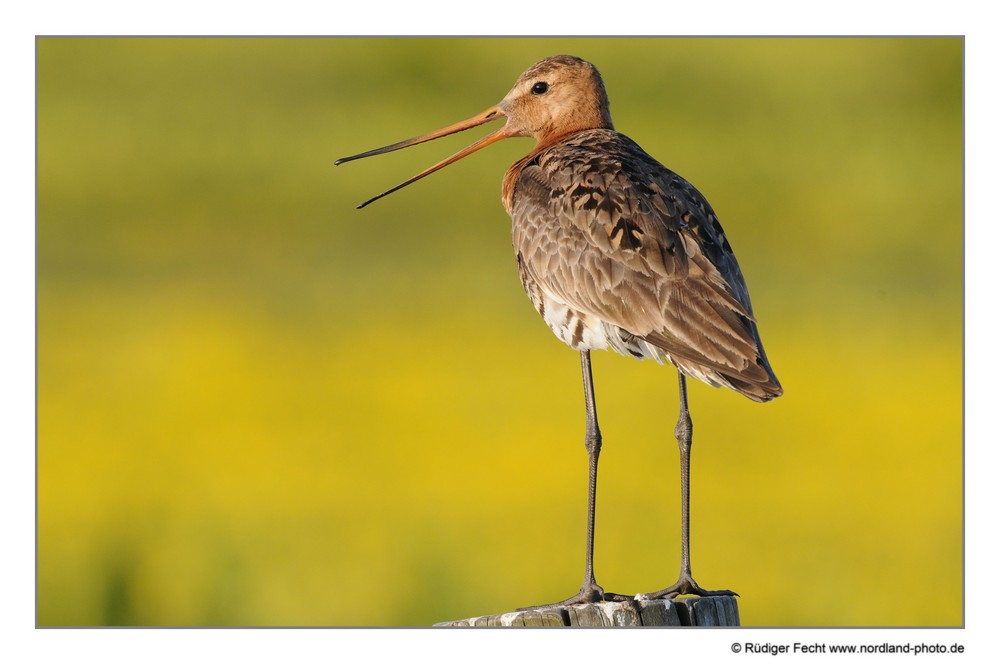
<point x="540" y="88"/>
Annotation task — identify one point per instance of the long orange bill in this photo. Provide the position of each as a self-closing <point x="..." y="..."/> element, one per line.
<point x="484" y="117"/>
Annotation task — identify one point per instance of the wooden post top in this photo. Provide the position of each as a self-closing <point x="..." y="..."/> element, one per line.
<point x="687" y="612"/>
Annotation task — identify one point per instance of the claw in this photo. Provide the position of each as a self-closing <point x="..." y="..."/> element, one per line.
<point x="589" y="594"/>
<point x="685" y="586"/>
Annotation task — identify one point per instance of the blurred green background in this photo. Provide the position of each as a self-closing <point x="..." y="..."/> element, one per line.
<point x="260" y="406"/>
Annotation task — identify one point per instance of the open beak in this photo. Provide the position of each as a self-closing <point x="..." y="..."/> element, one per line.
<point x="484" y="117"/>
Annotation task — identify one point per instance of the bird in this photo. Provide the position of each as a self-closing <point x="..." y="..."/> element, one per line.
<point x="616" y="251"/>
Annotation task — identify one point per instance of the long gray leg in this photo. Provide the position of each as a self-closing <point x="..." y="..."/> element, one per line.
<point x="685" y="583"/>
<point x="590" y="591"/>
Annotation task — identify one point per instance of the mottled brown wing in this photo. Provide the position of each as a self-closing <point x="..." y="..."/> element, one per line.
<point x="604" y="228"/>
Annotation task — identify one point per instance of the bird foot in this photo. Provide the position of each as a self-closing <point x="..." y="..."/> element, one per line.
<point x="685" y="586"/>
<point x="589" y="594"/>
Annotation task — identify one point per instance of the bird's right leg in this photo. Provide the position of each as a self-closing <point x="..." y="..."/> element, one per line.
<point x="590" y="591"/>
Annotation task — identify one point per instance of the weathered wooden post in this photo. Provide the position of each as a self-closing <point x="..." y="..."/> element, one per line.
<point x="719" y="611"/>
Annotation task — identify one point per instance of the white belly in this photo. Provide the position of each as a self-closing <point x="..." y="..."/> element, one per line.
<point x="575" y="329"/>
<point x="581" y="331"/>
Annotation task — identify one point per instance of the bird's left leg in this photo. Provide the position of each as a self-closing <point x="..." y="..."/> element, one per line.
<point x="685" y="584"/>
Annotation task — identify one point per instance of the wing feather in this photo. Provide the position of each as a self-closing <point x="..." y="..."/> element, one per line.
<point x="601" y="227"/>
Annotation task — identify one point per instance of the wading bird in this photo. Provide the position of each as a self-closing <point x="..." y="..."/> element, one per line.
<point x="614" y="250"/>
